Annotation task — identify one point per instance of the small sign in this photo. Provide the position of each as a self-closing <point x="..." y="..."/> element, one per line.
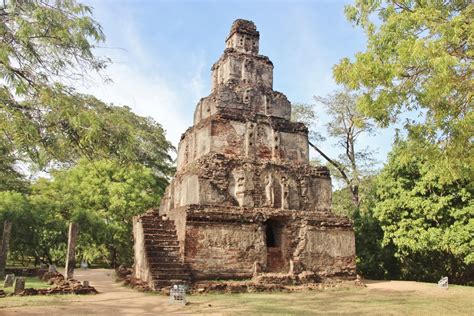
<point x="178" y="294"/>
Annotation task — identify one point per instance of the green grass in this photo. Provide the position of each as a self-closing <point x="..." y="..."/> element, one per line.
<point x="457" y="300"/>
<point x="41" y="300"/>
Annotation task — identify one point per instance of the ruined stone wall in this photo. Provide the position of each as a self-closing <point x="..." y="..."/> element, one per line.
<point x="218" y="180"/>
<point x="329" y="252"/>
<point x="216" y="250"/>
<point x="264" y="139"/>
<point x="228" y="242"/>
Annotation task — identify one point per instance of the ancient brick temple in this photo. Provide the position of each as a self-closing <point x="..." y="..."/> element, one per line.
<point x="244" y="200"/>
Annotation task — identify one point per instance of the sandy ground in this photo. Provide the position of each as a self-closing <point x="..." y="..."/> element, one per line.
<point x="115" y="299"/>
<point x="402" y="286"/>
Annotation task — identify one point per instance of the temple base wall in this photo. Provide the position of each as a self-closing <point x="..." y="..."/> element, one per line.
<point x="234" y="243"/>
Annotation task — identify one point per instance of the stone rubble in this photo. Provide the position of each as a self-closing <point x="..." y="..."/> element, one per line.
<point x="60" y="286"/>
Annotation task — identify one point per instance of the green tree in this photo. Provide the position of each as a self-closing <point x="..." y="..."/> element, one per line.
<point x="102" y="196"/>
<point x="428" y="218"/>
<point x="10" y="177"/>
<point x="418" y="60"/>
<point x="37" y="234"/>
<point x="44" y="47"/>
<point x="42" y="43"/>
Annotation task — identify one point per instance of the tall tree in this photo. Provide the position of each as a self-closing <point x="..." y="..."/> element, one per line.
<point x="426" y="217"/>
<point x="102" y="196"/>
<point x="46" y="45"/>
<point x="43" y="43"/>
<point x="346" y="125"/>
<point x="418" y="60"/>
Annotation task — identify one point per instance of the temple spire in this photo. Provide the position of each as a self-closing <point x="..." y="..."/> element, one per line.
<point x="243" y="37"/>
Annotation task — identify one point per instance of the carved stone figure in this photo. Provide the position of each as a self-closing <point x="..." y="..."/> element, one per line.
<point x="275" y="145"/>
<point x="243" y="191"/>
<point x="250" y="139"/>
<point x="285" y="193"/>
<point x="269" y="194"/>
<point x="304" y="190"/>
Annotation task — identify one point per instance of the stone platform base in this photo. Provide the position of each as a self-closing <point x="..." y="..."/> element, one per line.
<point x="287" y="284"/>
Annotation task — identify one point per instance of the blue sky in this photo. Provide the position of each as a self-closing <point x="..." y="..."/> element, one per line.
<point x="162" y="52"/>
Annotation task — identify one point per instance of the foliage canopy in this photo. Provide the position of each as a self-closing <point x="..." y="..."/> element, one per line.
<point x="419" y="58"/>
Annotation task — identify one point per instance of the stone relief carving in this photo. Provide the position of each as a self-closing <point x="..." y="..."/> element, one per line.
<point x="304" y="191"/>
<point x="285" y="193"/>
<point x="275" y="145"/>
<point x="243" y="188"/>
<point x="250" y="139"/>
<point x="269" y="193"/>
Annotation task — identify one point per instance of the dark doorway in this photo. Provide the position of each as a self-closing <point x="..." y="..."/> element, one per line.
<point x="274" y="233"/>
<point x="270" y="236"/>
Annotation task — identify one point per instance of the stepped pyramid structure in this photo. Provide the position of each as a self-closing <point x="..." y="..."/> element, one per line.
<point x="244" y="200"/>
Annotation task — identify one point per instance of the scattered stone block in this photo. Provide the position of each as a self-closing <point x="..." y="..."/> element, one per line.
<point x="19" y="285"/>
<point x="9" y="280"/>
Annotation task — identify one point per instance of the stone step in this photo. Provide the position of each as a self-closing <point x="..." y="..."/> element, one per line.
<point x="170" y="268"/>
<point x="160" y="231"/>
<point x="149" y="237"/>
<point x="162" y="243"/>
<point x="160" y="237"/>
<point x="167" y="265"/>
<point x="166" y="274"/>
<point x="159" y="257"/>
<point x="156" y="222"/>
<point x="158" y="247"/>
<point x="147" y="226"/>
<point x="169" y="271"/>
<point x="174" y="276"/>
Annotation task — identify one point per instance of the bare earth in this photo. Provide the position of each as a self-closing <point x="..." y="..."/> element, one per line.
<point x="115" y="299"/>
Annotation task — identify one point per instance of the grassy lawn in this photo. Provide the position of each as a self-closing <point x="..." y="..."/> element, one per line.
<point x="457" y="300"/>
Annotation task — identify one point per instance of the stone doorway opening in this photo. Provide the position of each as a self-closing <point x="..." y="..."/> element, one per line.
<point x="275" y="239"/>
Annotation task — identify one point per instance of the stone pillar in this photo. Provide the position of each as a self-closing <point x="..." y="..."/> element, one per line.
<point x="71" y="250"/>
<point x="9" y="279"/>
<point x="19" y="285"/>
<point x="7" y="228"/>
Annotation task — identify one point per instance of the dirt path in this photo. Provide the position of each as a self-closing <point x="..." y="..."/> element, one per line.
<point x="402" y="286"/>
<point x="113" y="299"/>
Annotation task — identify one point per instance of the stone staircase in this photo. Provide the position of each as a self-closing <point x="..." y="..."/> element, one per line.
<point x="162" y="250"/>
